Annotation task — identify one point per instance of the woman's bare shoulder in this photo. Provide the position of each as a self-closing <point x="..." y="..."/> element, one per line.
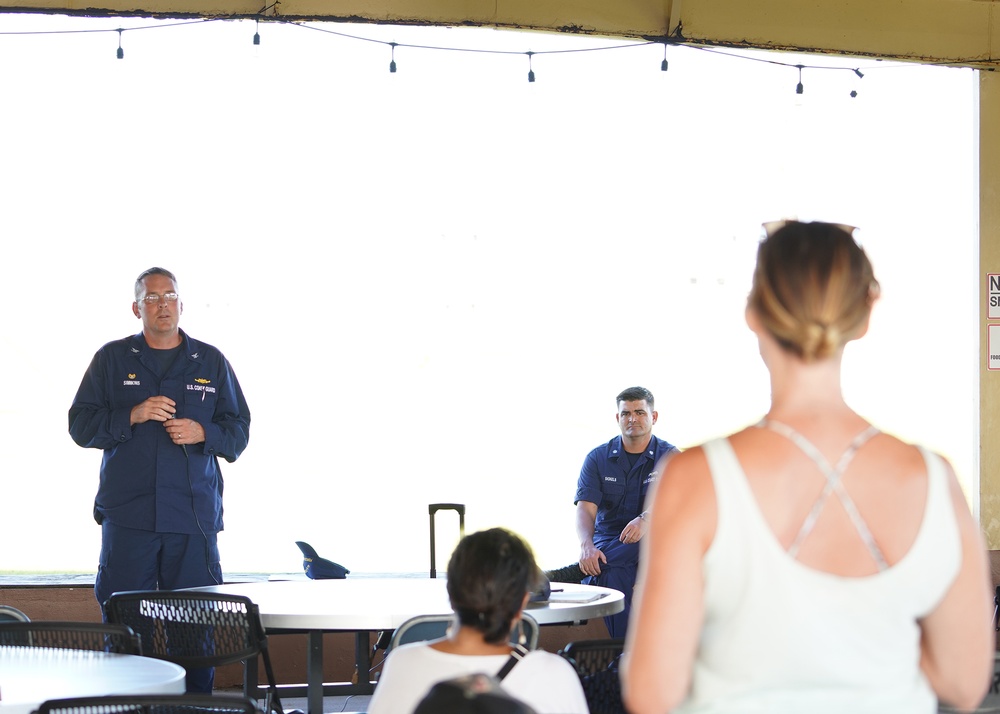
<point x="690" y="466"/>
<point x="685" y="490"/>
<point x="685" y="467"/>
<point x="893" y="459"/>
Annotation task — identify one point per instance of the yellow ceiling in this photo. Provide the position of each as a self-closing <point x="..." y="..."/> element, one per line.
<point x="964" y="32"/>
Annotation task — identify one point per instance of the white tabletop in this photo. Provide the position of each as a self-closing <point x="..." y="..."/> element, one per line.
<point x="31" y="675"/>
<point x="385" y="603"/>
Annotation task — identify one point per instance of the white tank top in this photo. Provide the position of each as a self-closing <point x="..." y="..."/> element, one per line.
<point x="780" y="636"/>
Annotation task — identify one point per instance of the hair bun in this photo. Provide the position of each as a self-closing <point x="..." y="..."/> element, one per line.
<point x="813" y="288"/>
<point x="819" y="341"/>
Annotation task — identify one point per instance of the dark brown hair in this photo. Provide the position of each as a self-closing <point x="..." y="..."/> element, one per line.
<point x="489" y="574"/>
<point x="635" y="394"/>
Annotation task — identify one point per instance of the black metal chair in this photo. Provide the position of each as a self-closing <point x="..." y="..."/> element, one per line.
<point x="151" y="704"/>
<point x="95" y="636"/>
<point x="12" y="614"/>
<point x="596" y="664"/>
<point x="996" y="610"/>
<point x="196" y="629"/>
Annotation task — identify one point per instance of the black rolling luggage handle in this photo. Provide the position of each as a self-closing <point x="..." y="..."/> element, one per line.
<point x="432" y="509"/>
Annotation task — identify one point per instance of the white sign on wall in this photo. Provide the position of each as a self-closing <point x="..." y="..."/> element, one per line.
<point x="993" y="338"/>
<point x="993" y="296"/>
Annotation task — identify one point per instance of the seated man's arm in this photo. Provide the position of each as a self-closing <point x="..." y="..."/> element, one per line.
<point x="634" y="529"/>
<point x="591" y="557"/>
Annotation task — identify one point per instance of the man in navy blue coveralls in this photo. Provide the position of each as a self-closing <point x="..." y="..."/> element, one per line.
<point x="610" y="494"/>
<point x="163" y="407"/>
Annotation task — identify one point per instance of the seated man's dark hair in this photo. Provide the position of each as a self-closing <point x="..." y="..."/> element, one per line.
<point x="635" y="394"/>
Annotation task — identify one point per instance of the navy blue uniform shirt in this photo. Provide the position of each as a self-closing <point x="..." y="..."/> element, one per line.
<point x="147" y="481"/>
<point x="618" y="489"/>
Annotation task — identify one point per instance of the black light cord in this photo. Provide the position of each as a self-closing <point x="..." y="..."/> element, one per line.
<point x="194" y="511"/>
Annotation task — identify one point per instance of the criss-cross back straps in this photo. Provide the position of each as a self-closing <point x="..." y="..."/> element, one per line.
<point x="833" y="485"/>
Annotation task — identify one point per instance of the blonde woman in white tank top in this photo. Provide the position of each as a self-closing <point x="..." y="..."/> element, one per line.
<point x="809" y="563"/>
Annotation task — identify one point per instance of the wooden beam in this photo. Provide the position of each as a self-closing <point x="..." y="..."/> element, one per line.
<point x="989" y="262"/>
<point x="963" y="32"/>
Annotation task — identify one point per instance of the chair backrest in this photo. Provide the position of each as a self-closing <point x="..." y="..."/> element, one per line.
<point x="431" y="627"/>
<point x="596" y="664"/>
<point x="151" y="704"/>
<point x="421" y="629"/>
<point x="12" y="614"/>
<point x="192" y="629"/>
<point x="196" y="629"/>
<point x="95" y="636"/>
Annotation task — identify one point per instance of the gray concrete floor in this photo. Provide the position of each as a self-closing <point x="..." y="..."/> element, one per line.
<point x="355" y="703"/>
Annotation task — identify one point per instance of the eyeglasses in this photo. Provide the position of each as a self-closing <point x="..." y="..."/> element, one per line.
<point x="153" y="298"/>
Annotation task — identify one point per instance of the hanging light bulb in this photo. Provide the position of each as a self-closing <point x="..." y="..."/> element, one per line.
<point x="663" y="64"/>
<point x="531" y="72"/>
<point x="798" y="87"/>
<point x="256" y="35"/>
<point x="392" y="63"/>
<point x="121" y="52"/>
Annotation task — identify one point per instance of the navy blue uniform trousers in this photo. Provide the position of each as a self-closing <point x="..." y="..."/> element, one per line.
<point x="618" y="573"/>
<point x="143" y="560"/>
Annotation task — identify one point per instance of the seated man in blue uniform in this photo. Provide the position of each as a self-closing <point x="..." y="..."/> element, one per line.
<point x="163" y="407"/>
<point x="610" y="494"/>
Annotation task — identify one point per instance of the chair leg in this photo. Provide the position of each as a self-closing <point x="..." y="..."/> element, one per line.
<point x="272" y="701"/>
<point x="250" y="678"/>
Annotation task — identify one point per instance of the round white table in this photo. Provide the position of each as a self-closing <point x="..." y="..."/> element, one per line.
<point x="372" y="604"/>
<point x="364" y="605"/>
<point x="32" y="675"/>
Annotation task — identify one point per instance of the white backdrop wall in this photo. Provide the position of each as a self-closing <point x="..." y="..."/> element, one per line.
<point x="432" y="284"/>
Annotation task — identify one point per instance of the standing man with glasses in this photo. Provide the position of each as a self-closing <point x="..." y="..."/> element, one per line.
<point x="610" y="497"/>
<point x="163" y="407"/>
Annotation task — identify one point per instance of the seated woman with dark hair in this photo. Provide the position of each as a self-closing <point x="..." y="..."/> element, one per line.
<point x="490" y="575"/>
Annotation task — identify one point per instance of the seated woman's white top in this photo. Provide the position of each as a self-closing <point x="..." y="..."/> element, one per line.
<point x="780" y="637"/>
<point x="543" y="680"/>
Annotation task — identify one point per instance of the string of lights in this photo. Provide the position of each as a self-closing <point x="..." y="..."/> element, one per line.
<point x="664" y="64"/>
<point x="529" y="54"/>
